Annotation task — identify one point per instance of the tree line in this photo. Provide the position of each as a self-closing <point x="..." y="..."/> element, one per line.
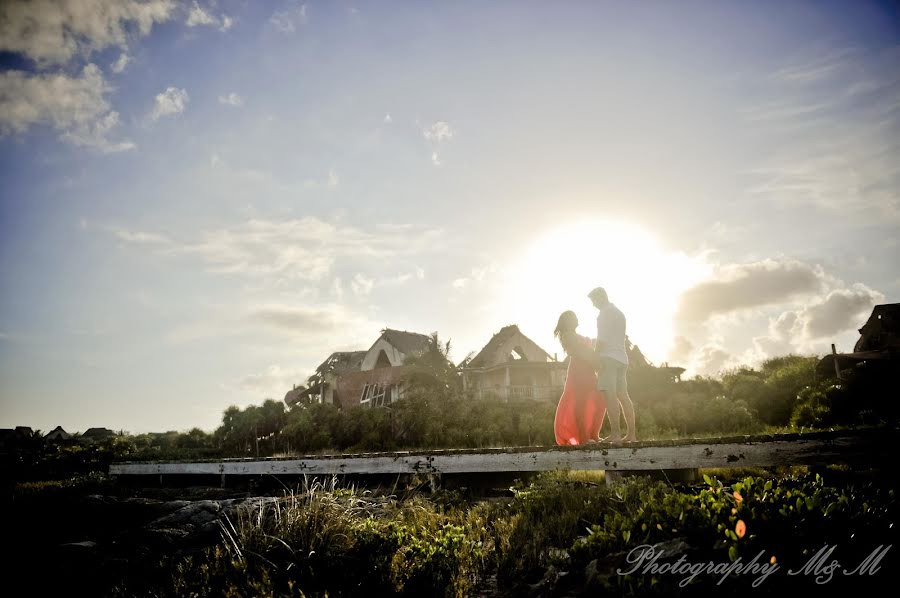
<point x="783" y="392"/>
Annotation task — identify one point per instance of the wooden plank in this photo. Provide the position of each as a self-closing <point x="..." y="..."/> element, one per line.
<point x="830" y="448"/>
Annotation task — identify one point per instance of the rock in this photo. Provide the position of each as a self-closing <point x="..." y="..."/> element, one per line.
<point x="197" y="513"/>
<point x="590" y="573"/>
<point x="83" y="546"/>
<point x="546" y="585"/>
<point x="158" y="508"/>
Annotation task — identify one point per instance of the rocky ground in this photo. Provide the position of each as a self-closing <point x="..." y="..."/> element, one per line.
<point x="89" y="543"/>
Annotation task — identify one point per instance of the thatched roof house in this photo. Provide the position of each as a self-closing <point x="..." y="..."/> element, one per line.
<point x="511" y="365"/>
<point x="879" y="342"/>
<point x="57" y="434"/>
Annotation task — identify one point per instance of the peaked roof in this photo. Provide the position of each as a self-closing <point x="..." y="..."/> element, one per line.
<point x="58" y="432"/>
<point x="406" y="342"/>
<point x="489" y="354"/>
<point x="341" y="362"/>
<point x="91" y="432"/>
<point x="881" y="330"/>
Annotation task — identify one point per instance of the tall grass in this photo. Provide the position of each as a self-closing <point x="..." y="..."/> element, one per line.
<point x="324" y="539"/>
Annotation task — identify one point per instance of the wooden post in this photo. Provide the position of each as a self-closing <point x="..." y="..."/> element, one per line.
<point x="837" y="369"/>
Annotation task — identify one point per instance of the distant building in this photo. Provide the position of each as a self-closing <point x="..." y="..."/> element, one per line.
<point x="879" y="342"/>
<point x="637" y="363"/>
<point x="511" y="365"/>
<point x="323" y="382"/>
<point x="295" y="395"/>
<point x="57" y="434"/>
<point x="97" y="434"/>
<point x="369" y="378"/>
<point x="10" y="437"/>
<point x="378" y="382"/>
<point x="881" y="332"/>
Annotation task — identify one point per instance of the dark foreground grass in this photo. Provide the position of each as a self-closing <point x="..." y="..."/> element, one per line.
<point x="562" y="534"/>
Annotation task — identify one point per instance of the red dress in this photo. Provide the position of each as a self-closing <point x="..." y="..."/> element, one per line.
<point x="582" y="407"/>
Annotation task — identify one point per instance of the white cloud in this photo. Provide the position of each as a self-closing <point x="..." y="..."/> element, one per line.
<point x="329" y="182"/>
<point x="784" y="306"/>
<point x="712" y="360"/>
<point x="51" y="32"/>
<point x="681" y="349"/>
<point x="839" y="311"/>
<point x="746" y="286"/>
<point x="121" y="63"/>
<point x="438" y="131"/>
<point x="274" y="382"/>
<point x="199" y="16"/>
<point x="76" y="106"/>
<point x="96" y="134"/>
<point x="816" y="66"/>
<point x="322" y="327"/>
<point x="476" y="274"/>
<point x="399" y="279"/>
<point x="290" y="19"/>
<point x="781" y="338"/>
<point x="172" y="101"/>
<point x="361" y="285"/>
<point x="142" y="237"/>
<point x="303" y="250"/>
<point x="232" y="99"/>
<point x="299" y="319"/>
<point x="318" y="324"/>
<point x="832" y="120"/>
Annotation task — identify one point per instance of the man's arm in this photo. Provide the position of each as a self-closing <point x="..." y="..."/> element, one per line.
<point x="600" y="343"/>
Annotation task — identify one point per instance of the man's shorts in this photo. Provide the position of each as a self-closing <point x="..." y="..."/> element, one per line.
<point x="612" y="377"/>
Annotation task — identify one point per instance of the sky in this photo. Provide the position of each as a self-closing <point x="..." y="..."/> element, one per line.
<point x="200" y="201"/>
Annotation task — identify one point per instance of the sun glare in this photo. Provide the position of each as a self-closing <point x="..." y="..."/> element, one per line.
<point x="641" y="277"/>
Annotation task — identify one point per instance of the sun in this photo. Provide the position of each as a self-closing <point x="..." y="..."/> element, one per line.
<point x="642" y="278"/>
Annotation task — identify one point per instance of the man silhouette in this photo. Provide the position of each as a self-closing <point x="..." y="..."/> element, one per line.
<point x="613" y="361"/>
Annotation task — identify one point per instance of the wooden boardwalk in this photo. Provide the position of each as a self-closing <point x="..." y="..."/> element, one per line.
<point x="855" y="448"/>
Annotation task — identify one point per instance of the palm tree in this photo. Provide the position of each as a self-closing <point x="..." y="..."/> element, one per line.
<point x="431" y="371"/>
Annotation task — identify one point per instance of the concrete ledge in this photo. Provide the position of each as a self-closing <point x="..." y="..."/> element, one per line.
<point x="848" y="448"/>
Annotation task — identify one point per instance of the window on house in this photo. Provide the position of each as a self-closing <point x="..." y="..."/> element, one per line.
<point x="376" y="395"/>
<point x="517" y="354"/>
<point x="382" y="361"/>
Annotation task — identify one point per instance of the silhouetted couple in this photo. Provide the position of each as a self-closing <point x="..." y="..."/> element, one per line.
<point x="596" y="378"/>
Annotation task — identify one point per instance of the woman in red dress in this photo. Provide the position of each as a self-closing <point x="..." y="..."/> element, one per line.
<point x="582" y="407"/>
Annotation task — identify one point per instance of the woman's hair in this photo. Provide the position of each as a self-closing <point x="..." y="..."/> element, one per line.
<point x="567" y="321"/>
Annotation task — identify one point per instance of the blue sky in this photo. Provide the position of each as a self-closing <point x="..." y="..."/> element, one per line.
<point x="202" y="200"/>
